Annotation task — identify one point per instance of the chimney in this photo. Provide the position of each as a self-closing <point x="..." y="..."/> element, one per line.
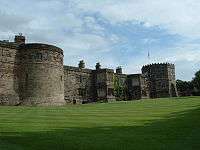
<point x="20" y="39"/>
<point x="98" y="66"/>
<point x="81" y="64"/>
<point x="119" y="70"/>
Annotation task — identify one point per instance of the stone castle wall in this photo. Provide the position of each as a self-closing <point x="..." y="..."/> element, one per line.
<point x="8" y="74"/>
<point x="137" y="87"/>
<point x="79" y="86"/>
<point x="86" y="85"/>
<point x="33" y="74"/>
<point x="104" y="84"/>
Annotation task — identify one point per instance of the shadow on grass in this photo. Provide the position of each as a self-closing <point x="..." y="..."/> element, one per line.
<point x="177" y="131"/>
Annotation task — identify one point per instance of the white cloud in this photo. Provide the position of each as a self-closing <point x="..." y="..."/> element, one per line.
<point x="92" y="26"/>
<point x="179" y="16"/>
<point x="85" y="42"/>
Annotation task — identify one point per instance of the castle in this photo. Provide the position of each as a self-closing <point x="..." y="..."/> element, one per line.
<point x="33" y="74"/>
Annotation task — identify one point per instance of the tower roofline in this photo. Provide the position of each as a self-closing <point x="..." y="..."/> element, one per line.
<point x="41" y="45"/>
<point x="158" y="64"/>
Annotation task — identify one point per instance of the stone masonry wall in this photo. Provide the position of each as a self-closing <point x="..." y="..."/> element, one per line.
<point x="79" y="85"/>
<point x="134" y="86"/>
<point x="104" y="84"/>
<point x="41" y="75"/>
<point x="8" y="74"/>
<point x="160" y="79"/>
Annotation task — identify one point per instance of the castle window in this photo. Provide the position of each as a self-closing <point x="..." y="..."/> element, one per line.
<point x="81" y="79"/>
<point x="7" y="53"/>
<point x="26" y="77"/>
<point x="61" y="78"/>
<point x="110" y="91"/>
<point x="74" y="101"/>
<point x="82" y="92"/>
<point x="26" y="80"/>
<point x="31" y="56"/>
<point x="159" y="84"/>
<point x="45" y="56"/>
<point x="38" y="56"/>
<point x="163" y="85"/>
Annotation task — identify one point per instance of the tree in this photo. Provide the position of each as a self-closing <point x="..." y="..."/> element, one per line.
<point x="185" y="88"/>
<point x="196" y="82"/>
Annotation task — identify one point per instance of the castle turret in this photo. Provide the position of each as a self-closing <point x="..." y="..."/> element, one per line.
<point x="20" y="39"/>
<point x="81" y="64"/>
<point x="119" y="70"/>
<point x="41" y="75"/>
<point x="161" y="80"/>
<point x="98" y="66"/>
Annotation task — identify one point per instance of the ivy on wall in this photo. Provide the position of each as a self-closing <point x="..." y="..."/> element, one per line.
<point x="119" y="89"/>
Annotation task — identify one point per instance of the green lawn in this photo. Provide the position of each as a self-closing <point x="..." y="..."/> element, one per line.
<point x="162" y="124"/>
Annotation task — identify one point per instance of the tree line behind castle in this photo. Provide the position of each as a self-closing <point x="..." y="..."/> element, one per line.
<point x="34" y="74"/>
<point x="189" y="88"/>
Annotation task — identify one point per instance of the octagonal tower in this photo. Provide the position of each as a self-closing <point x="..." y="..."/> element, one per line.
<point x="160" y="79"/>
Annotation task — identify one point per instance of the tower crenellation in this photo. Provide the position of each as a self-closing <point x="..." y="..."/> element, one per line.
<point x="20" y="39"/>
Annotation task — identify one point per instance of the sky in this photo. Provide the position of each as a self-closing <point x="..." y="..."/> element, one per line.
<point x="112" y="32"/>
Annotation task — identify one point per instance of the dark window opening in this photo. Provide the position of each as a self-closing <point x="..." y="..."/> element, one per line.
<point x="74" y="101"/>
<point x="110" y="91"/>
<point x="81" y="79"/>
<point x="163" y="85"/>
<point x="26" y="80"/>
<point x="61" y="78"/>
<point x="82" y="92"/>
<point x="26" y="77"/>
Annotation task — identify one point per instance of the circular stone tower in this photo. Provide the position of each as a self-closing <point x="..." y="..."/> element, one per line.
<point x="41" y="75"/>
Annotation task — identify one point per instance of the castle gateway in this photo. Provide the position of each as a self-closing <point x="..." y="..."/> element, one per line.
<point x="33" y="74"/>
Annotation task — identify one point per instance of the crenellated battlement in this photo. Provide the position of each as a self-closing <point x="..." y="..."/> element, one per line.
<point x="38" y="46"/>
<point x="7" y="44"/>
<point x="157" y="65"/>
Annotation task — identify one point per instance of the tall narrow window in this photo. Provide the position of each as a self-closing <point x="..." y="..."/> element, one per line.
<point x="26" y="80"/>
